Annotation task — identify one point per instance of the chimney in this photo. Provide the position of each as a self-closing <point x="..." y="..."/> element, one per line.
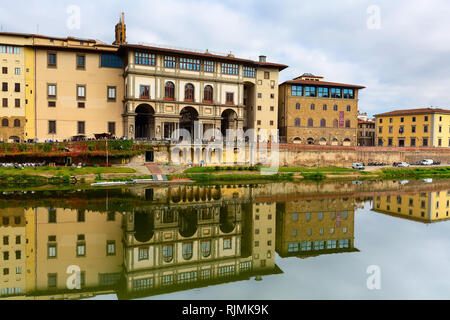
<point x="262" y="59"/>
<point x="121" y="31"/>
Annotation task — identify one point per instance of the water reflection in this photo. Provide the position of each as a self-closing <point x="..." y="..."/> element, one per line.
<point x="136" y="243"/>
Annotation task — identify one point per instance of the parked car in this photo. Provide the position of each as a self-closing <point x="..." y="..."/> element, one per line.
<point x="358" y="166"/>
<point x="426" y="162"/>
<point x="403" y="165"/>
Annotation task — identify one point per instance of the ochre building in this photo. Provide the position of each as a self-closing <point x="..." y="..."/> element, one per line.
<point x="426" y="127"/>
<point x="316" y="112"/>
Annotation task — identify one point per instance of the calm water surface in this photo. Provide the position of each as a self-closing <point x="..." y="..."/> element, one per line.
<point x="276" y="241"/>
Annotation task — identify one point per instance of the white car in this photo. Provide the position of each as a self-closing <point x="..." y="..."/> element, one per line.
<point x="403" y="165"/>
<point x="427" y="162"/>
<point x="358" y="166"/>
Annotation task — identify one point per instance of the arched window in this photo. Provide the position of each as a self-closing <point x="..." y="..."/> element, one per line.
<point x="336" y="123"/>
<point x="310" y="122"/>
<point x="325" y="107"/>
<point x="297" y="122"/>
<point x="189" y="92"/>
<point x="208" y="94"/>
<point x="170" y="91"/>
<point x="206" y="248"/>
<point x="5" y="123"/>
<point x="17" y="123"/>
<point x="348" y="124"/>
<point x="168" y="253"/>
<point x="323" y="123"/>
<point x="349" y="108"/>
<point x="297" y="106"/>
<point x="187" y="251"/>
<point x="313" y="106"/>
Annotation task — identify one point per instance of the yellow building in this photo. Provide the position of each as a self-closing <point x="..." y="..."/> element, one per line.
<point x="316" y="112"/>
<point x="422" y="207"/>
<point x="309" y="228"/>
<point x="13" y="255"/>
<point x="426" y="127"/>
<point x="15" y="72"/>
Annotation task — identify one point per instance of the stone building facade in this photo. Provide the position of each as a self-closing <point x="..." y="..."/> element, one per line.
<point x="315" y="112"/>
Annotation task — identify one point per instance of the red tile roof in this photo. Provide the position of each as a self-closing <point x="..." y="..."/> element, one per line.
<point x="413" y="112"/>
<point x="323" y="84"/>
<point x="204" y="55"/>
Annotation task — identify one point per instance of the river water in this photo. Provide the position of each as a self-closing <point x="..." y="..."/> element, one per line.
<point x="282" y="241"/>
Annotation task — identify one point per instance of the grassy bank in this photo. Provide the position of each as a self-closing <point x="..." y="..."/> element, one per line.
<point x="208" y="178"/>
<point x="55" y="171"/>
<point x="416" y="173"/>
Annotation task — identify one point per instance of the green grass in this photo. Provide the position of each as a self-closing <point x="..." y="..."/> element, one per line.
<point x="58" y="171"/>
<point x="438" y="172"/>
<point x="325" y="169"/>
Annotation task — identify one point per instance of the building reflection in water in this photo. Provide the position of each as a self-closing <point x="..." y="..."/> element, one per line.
<point x="147" y="242"/>
<point x="427" y="207"/>
<point x="315" y="227"/>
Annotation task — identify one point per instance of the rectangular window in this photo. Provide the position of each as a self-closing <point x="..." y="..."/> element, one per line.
<point x="81" y="105"/>
<point x="9" y="49"/>
<point x="229" y="68"/>
<point x="266" y="75"/>
<point x="413" y="129"/>
<point x="17" y="71"/>
<point x="324" y="93"/>
<point x="81" y="127"/>
<point x="52" y="280"/>
<point x="142" y="284"/>
<point x="51" y="104"/>
<point x="413" y="142"/>
<point x="17" y="103"/>
<point x="111" y="61"/>
<point x="208" y="66"/>
<point x="5" y="86"/>
<point x="52" y="251"/>
<point x="51" y="59"/>
<point x="336" y="93"/>
<point x="297" y="91"/>
<point x="17" y="87"/>
<point x="112" y="128"/>
<point x="51" y="90"/>
<point x="143" y="253"/>
<point x="249" y="72"/>
<point x="145" y="59"/>
<point x="52" y="127"/>
<point x="81" y="61"/>
<point x="5" y="70"/>
<point x="230" y="98"/>
<point x="111" y="248"/>
<point x="81" y="92"/>
<point x="170" y="62"/>
<point x="310" y="91"/>
<point x="81" y="250"/>
<point x="189" y="64"/>
<point x="112" y="93"/>
<point x="425" y="128"/>
<point x="425" y="142"/>
<point x="227" y="243"/>
<point x="145" y="92"/>
<point x="349" y="94"/>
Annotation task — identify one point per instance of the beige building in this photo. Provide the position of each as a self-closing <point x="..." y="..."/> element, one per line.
<point x="316" y="112"/>
<point x="366" y="131"/>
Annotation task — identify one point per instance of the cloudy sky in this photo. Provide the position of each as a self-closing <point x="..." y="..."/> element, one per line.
<point x="399" y="49"/>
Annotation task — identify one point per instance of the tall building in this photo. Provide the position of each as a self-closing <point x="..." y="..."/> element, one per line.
<point x="425" y="127"/>
<point x="170" y="89"/>
<point x="77" y="88"/>
<point x="316" y="112"/>
<point x="16" y="77"/>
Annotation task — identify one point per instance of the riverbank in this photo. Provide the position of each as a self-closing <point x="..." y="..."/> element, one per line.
<point x="82" y="177"/>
